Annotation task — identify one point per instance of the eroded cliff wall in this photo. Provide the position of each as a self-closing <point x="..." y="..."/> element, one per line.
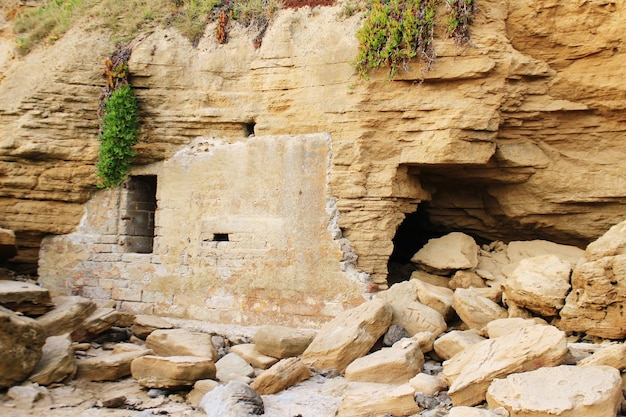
<point x="521" y="134"/>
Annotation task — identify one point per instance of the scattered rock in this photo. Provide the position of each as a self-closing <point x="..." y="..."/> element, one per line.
<point x="57" y="363"/>
<point x="466" y="279"/>
<point x="393" y="365"/>
<point x="539" y="284"/>
<point x="428" y="384"/>
<point x="110" y="367"/>
<point x="476" y="310"/>
<point x="98" y="322"/>
<point x="181" y="342"/>
<point x="251" y="354"/>
<point x="611" y="243"/>
<point x="283" y="375"/>
<point x="234" y="399"/>
<point x="500" y="327"/>
<point x="360" y="328"/>
<point x="24" y="297"/>
<point x="375" y="400"/>
<point x="21" y="343"/>
<point x="409" y="312"/>
<point x="69" y="313"/>
<point x="25" y="396"/>
<point x="470" y="372"/>
<point x="282" y="342"/>
<point x="116" y="401"/>
<point x="438" y="298"/>
<point x="565" y="391"/>
<point x="612" y="355"/>
<point x="233" y="367"/>
<point x="145" y="324"/>
<point x="171" y="371"/>
<point x="456" y="341"/>
<point x="200" y="388"/>
<point x="394" y="333"/>
<point x="448" y="253"/>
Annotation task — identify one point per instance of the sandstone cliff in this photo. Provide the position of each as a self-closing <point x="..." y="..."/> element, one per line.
<point x="520" y="134"/>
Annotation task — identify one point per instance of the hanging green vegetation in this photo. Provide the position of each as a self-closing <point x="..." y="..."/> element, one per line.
<point x="119" y="122"/>
<point x="396" y="31"/>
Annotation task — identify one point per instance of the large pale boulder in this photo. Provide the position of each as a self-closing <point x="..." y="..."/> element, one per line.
<point x="172" y="371"/>
<point x="375" y="400"/>
<point x="350" y="335"/>
<point x="409" y="312"/>
<point x="611" y="243"/>
<point x="453" y="251"/>
<point x="21" y="346"/>
<point x="282" y="375"/>
<point x="613" y="355"/>
<point x="181" y="342"/>
<point x="145" y="324"/>
<point x="438" y="298"/>
<point x="251" y="354"/>
<point x="69" y="312"/>
<point x="281" y="341"/>
<point x="470" y="372"/>
<point x="24" y="297"/>
<point x="98" y="322"/>
<point x="539" y="284"/>
<point x="200" y="388"/>
<point x="500" y="327"/>
<point x="455" y="341"/>
<point x="393" y="365"/>
<point x="57" y="363"/>
<point x="474" y="309"/>
<point x="234" y="399"/>
<point x="596" y="303"/>
<point x="428" y="384"/>
<point x="564" y="391"/>
<point x="519" y="250"/>
<point x="233" y="367"/>
<point x="110" y="367"/>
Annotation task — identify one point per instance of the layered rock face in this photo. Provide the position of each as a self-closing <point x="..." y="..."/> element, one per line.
<point x="520" y="134"/>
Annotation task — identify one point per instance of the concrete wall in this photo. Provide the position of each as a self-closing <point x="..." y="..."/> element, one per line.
<point x="245" y="233"/>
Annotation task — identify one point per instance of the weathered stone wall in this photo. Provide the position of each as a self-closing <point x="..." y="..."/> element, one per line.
<point x="519" y="135"/>
<point x="245" y="232"/>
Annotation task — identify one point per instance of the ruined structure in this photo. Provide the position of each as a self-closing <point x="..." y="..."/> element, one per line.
<point x="271" y="183"/>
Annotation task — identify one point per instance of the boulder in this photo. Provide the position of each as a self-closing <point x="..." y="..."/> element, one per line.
<point x="470" y="372"/>
<point x="234" y="399"/>
<point x="519" y="250"/>
<point x="350" y="335"/>
<point x="455" y="341"/>
<point x="375" y="400"/>
<point x="200" y="388"/>
<point x="171" y="372"/>
<point x="233" y="367"/>
<point x="612" y="355"/>
<point x="98" y="322"/>
<point x="110" y="367"/>
<point x="466" y="279"/>
<point x="596" y="303"/>
<point x="181" y="342"/>
<point x="251" y="354"/>
<point x="453" y="251"/>
<point x="500" y="327"/>
<point x="24" y="297"/>
<point x="425" y="340"/>
<point x="69" y="312"/>
<point x="611" y="243"/>
<point x="428" y="384"/>
<point x="474" y="309"/>
<point x="28" y="396"/>
<point x="57" y="363"/>
<point x="433" y="279"/>
<point x="145" y="324"/>
<point x="282" y="342"/>
<point x="438" y="298"/>
<point x="283" y="375"/>
<point x="21" y="343"/>
<point x="565" y="391"/>
<point x="394" y="333"/>
<point x="409" y="312"/>
<point x="393" y="365"/>
<point x="539" y="284"/>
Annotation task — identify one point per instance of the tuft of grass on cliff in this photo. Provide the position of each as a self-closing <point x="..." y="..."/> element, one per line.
<point x="128" y="18"/>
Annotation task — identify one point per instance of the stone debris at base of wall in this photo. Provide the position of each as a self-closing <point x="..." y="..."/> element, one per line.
<point x="514" y="364"/>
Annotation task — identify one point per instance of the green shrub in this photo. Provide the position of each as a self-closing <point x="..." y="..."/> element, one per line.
<point x="119" y="133"/>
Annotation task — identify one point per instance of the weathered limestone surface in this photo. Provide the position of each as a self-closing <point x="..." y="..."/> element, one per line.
<point x="471" y="371"/>
<point x="68" y="314"/>
<point x="566" y="391"/>
<point x="181" y="342"/>
<point x="171" y="371"/>
<point x="359" y="327"/>
<point x="394" y="365"/>
<point x="451" y="252"/>
<point x="520" y="136"/>
<point x="110" y="367"/>
<point x="57" y="362"/>
<point x="21" y="343"/>
<point x="281" y="376"/>
<point x="24" y="297"/>
<point x="282" y="342"/>
<point x="371" y="400"/>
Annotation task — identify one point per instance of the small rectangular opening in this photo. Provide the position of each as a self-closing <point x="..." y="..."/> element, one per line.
<point x="220" y="237"/>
